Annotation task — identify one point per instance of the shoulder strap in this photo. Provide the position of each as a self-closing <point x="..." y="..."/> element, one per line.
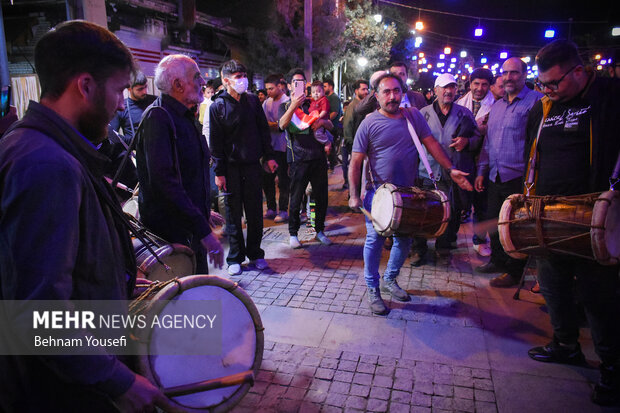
<point x="531" y="174"/>
<point x="134" y="142"/>
<point x="419" y="147"/>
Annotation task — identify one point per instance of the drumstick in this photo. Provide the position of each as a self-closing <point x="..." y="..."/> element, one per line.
<point x="368" y="215"/>
<point x="227" y="381"/>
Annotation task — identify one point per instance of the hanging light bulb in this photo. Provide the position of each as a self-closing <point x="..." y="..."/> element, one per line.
<point x="419" y="25"/>
<point x="447" y="50"/>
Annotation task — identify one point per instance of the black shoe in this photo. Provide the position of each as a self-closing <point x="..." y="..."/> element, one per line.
<point x="418" y="259"/>
<point x="607" y="391"/>
<point x="489" y="268"/>
<point x="556" y="353"/>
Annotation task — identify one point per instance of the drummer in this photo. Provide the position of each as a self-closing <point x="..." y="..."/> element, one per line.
<point x="383" y="137"/>
<point x="577" y="149"/>
<point x="60" y="236"/>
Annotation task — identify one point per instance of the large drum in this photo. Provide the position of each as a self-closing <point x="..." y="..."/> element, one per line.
<point x="199" y="383"/>
<point x="586" y="226"/>
<point x="409" y="211"/>
<point x="168" y="262"/>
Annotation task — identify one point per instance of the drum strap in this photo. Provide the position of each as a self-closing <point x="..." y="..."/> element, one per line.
<point x="531" y="173"/>
<point x="421" y="150"/>
<point x="615" y="175"/>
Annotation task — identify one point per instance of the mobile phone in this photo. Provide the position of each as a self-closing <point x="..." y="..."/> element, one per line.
<point x="5" y="100"/>
<point x="299" y="87"/>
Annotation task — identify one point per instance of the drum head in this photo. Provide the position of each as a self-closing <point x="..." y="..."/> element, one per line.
<point x="605" y="232"/>
<point x="386" y="210"/>
<point x="242" y="345"/>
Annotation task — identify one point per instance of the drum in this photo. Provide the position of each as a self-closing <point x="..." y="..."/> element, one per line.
<point x="199" y="383"/>
<point x="586" y="226"/>
<point x="131" y="207"/>
<point x="409" y="211"/>
<point x="169" y="261"/>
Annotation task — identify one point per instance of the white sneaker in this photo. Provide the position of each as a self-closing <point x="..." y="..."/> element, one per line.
<point x="270" y="214"/>
<point x="281" y="217"/>
<point x="323" y="238"/>
<point x="483" y="250"/>
<point x="259" y="264"/>
<point x="234" y="269"/>
<point x="294" y="242"/>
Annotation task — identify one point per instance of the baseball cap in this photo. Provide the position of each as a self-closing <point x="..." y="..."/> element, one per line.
<point x="444" y="80"/>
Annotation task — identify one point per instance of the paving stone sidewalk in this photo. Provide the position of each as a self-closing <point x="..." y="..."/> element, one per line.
<point x="457" y="346"/>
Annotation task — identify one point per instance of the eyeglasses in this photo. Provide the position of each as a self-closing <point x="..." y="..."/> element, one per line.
<point x="554" y="84"/>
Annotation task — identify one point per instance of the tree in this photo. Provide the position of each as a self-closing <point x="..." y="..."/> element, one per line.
<point x="280" y="47"/>
<point x="365" y="38"/>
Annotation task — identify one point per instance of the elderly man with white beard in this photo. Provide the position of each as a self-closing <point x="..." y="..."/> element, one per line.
<point x="173" y="163"/>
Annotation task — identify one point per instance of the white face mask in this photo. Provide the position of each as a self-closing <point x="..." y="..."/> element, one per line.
<point x="240" y="85"/>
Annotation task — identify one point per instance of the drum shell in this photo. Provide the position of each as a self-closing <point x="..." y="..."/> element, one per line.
<point x="179" y="258"/>
<point x="581" y="226"/>
<point x="416" y="212"/>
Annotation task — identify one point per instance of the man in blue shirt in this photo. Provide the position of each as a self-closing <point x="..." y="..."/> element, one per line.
<point x="384" y="138"/>
<point x="502" y="161"/>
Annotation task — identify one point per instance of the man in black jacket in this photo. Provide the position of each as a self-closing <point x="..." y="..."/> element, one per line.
<point x="577" y="147"/>
<point x="309" y="162"/>
<point x="173" y="163"/>
<point x="59" y="223"/>
<point x="239" y="138"/>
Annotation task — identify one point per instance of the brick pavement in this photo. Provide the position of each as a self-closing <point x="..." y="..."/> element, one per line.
<point x="457" y="346"/>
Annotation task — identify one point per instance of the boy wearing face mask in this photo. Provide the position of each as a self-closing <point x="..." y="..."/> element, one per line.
<point x="239" y="140"/>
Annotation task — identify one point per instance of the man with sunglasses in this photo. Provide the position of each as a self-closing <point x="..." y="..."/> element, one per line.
<point x="576" y="151"/>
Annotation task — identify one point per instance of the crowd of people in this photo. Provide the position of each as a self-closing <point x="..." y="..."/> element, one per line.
<point x="203" y="145"/>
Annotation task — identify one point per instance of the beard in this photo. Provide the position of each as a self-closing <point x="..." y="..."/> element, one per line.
<point x="93" y="123"/>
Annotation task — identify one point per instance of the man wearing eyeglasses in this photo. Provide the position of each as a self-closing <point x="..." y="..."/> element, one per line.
<point x="576" y="152"/>
<point x="502" y="161"/>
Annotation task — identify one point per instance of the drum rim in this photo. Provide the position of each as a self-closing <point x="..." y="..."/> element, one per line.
<point x="503" y="228"/>
<point x="184" y="283"/>
<point x="598" y="227"/>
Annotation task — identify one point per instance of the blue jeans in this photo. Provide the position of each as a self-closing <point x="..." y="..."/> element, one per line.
<point x="596" y="286"/>
<point x="373" y="247"/>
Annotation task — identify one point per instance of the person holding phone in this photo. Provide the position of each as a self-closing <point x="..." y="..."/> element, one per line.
<point x="309" y="161"/>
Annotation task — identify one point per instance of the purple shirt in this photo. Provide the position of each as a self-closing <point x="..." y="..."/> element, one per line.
<point x="502" y="152"/>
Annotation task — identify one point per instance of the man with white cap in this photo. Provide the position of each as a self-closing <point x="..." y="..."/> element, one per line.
<point x="454" y="127"/>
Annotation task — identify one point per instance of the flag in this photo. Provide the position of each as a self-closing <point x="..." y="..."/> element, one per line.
<point x="300" y="122"/>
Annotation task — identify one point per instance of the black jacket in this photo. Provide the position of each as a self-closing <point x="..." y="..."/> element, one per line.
<point x="63" y="243"/>
<point x="239" y="132"/>
<point x="173" y="173"/>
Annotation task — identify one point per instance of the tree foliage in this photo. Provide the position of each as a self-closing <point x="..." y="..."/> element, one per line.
<point x="339" y="37"/>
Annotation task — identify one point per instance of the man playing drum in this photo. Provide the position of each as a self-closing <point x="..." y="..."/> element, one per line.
<point x="576" y="149"/>
<point x="60" y="235"/>
<point x="384" y="138"/>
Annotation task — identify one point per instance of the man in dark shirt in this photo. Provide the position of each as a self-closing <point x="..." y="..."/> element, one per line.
<point x="335" y="112"/>
<point x="239" y="139"/>
<point x="576" y="151"/>
<point x="173" y="163"/>
<point x="59" y="223"/>
<point x="350" y="123"/>
<point x="135" y="105"/>
<point x="309" y="163"/>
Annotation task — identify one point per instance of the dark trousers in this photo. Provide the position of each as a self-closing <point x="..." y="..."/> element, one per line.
<point x="479" y="202"/>
<point x="243" y="182"/>
<point x="596" y="287"/>
<point x="269" y="183"/>
<point x="497" y="194"/>
<point x="302" y="172"/>
<point x="345" y="153"/>
<point x="450" y="235"/>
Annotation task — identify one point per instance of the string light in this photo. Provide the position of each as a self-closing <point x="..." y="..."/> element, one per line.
<point x="447" y="50"/>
